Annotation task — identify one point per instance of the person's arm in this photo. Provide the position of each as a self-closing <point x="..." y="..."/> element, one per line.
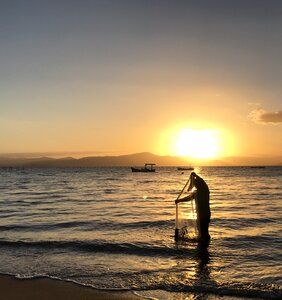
<point x="186" y="199"/>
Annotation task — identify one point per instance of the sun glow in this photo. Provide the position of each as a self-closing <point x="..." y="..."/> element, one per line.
<point x="202" y="143"/>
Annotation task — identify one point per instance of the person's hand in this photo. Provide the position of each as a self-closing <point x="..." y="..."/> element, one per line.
<point x="176" y="201"/>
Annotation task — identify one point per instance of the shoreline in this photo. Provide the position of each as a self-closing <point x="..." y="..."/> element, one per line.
<point x="13" y="288"/>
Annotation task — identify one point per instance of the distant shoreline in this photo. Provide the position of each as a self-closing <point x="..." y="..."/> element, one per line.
<point x="137" y="160"/>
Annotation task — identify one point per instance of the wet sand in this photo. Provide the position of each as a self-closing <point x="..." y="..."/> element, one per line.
<point x="12" y="288"/>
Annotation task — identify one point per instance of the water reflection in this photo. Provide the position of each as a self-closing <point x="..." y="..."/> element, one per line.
<point x="198" y="272"/>
<point x="202" y="270"/>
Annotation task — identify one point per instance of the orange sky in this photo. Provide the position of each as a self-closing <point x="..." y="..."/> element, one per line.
<point x="126" y="76"/>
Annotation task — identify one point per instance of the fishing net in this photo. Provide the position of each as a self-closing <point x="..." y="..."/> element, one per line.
<point x="186" y="217"/>
<point x="187" y="220"/>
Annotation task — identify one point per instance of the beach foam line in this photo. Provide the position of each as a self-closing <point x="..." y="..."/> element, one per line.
<point x="46" y="289"/>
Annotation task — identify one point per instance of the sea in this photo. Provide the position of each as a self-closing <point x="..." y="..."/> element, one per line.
<point x="112" y="229"/>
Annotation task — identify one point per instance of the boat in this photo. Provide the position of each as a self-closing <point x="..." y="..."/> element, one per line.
<point x="185" y="168"/>
<point x="147" y="168"/>
<point x="257" y="167"/>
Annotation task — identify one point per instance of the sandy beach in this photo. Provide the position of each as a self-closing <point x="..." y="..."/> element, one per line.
<point x="46" y="289"/>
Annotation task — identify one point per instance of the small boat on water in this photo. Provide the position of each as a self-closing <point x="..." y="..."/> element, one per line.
<point x="147" y="168"/>
<point x="185" y="168"/>
<point x="257" y="167"/>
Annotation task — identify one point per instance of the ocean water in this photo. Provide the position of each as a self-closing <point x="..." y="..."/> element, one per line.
<point x="113" y="229"/>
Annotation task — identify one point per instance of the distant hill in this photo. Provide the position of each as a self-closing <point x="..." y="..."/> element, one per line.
<point x="135" y="160"/>
<point x="138" y="159"/>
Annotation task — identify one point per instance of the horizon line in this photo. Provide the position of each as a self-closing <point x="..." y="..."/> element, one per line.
<point x="72" y="154"/>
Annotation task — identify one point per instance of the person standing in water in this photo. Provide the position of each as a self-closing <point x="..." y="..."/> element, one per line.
<point x="202" y="199"/>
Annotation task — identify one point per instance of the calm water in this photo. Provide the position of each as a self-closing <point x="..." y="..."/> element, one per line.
<point x="113" y="229"/>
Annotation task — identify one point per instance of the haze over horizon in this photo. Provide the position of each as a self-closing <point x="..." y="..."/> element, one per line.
<point x="195" y="78"/>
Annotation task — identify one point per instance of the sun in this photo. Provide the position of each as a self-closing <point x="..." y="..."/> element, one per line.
<point x="197" y="143"/>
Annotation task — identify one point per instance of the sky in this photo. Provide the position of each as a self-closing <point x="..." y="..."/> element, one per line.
<point x="120" y="77"/>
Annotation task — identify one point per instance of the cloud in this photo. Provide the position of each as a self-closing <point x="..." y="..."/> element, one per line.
<point x="261" y="116"/>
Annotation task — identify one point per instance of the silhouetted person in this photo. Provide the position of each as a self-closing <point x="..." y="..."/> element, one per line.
<point x="202" y="199"/>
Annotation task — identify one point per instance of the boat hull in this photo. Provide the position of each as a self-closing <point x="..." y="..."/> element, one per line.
<point x="142" y="170"/>
<point x="185" y="169"/>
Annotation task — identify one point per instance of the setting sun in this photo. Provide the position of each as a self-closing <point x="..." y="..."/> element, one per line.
<point x="202" y="143"/>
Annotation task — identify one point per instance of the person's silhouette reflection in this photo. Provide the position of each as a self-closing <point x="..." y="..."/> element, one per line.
<point x="202" y="258"/>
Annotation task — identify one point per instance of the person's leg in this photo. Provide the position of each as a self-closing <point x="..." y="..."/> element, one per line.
<point x="204" y="229"/>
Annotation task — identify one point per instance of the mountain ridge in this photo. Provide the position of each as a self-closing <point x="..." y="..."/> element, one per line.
<point x="136" y="160"/>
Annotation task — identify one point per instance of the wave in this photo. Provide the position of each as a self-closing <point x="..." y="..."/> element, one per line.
<point x="243" y="221"/>
<point x="87" y="225"/>
<point x="256" y="239"/>
<point x="246" y="290"/>
<point x="140" y="249"/>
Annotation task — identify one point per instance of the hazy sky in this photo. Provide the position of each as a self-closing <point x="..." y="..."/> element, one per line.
<point x="124" y="76"/>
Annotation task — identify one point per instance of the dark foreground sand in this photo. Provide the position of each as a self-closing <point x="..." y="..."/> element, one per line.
<point x="49" y="289"/>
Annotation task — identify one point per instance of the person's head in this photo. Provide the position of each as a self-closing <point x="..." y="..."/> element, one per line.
<point x="193" y="174"/>
<point x="194" y="180"/>
<point x="193" y="177"/>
